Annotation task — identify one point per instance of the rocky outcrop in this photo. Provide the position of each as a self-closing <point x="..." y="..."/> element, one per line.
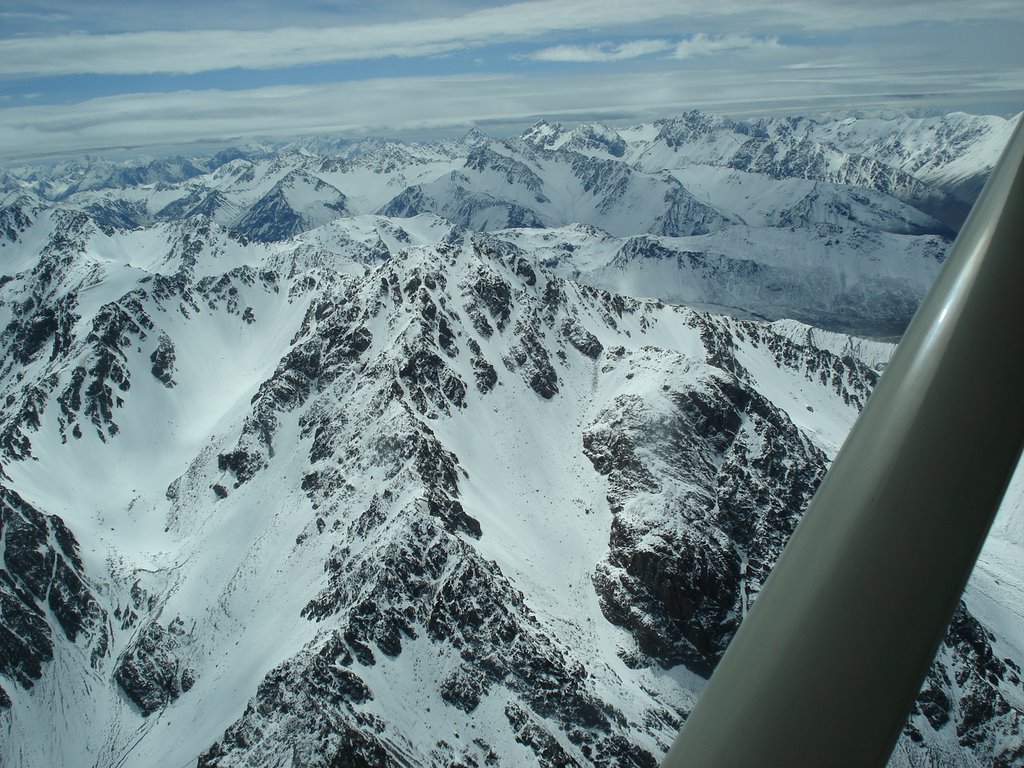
<point x="43" y="592"/>
<point x="162" y="358"/>
<point x="969" y="693"/>
<point x="315" y="694"/>
<point x="152" y="671"/>
<point x="705" y="490"/>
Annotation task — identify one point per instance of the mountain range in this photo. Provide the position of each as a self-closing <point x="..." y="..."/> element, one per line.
<point x="472" y="453"/>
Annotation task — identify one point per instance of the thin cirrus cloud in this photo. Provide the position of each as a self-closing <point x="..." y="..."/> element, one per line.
<point x="154" y="83"/>
<point x="703" y="45"/>
<point x="601" y="52"/>
<point x="52" y="16"/>
<point x="700" y="44"/>
<point x="195" y="51"/>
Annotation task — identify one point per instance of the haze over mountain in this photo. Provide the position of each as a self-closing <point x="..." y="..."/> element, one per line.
<point x="461" y="454"/>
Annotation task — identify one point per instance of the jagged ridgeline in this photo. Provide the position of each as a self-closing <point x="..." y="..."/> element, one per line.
<point x="380" y="489"/>
<point x="840" y="224"/>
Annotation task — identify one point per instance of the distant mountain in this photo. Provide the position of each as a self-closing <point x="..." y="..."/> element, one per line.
<point x="937" y="165"/>
<point x="513" y="186"/>
<point x="743" y="184"/>
<point x="953" y="152"/>
<point x="860" y="281"/>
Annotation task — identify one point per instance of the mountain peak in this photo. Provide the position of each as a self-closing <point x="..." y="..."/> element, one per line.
<point x="474" y="136"/>
<point x="543" y="134"/>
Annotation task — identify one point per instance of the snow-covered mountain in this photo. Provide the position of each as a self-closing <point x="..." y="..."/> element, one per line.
<point x="953" y="152"/>
<point x="742" y="184"/>
<point x="938" y="165"/>
<point x="347" y="488"/>
<point x="63" y="180"/>
<point x="854" y="280"/>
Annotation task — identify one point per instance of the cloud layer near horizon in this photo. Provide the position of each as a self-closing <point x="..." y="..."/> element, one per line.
<point x="399" y="104"/>
<point x="63" y="89"/>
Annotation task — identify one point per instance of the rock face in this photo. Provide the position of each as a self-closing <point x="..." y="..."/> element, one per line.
<point x="297" y="202"/>
<point x="978" y="711"/>
<point x="269" y="504"/>
<point x="150" y="671"/>
<point x="43" y="592"/>
<point x="680" y="576"/>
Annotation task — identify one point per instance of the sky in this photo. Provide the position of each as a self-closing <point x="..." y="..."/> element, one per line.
<point x="114" y="76"/>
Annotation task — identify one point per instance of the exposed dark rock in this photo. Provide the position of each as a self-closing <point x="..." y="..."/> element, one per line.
<point x="35" y="574"/>
<point x="530" y="358"/>
<point x="242" y="464"/>
<point x="971" y="689"/>
<point x="529" y="732"/>
<point x="431" y="382"/>
<point x="682" y="566"/>
<point x="16" y="217"/>
<point x="163" y="361"/>
<point x="586" y="342"/>
<point x="494" y="297"/>
<point x="463" y="688"/>
<point x="25" y="637"/>
<point x="151" y="671"/>
<point x="483" y="372"/>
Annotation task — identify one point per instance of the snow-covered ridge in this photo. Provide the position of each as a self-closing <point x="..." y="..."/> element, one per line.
<point x="875" y="354"/>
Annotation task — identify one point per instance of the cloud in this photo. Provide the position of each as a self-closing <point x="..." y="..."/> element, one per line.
<point x="601" y="51"/>
<point x="382" y="106"/>
<point x="696" y="45"/>
<point x="702" y="45"/>
<point x="32" y="16"/>
<point x="190" y="52"/>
